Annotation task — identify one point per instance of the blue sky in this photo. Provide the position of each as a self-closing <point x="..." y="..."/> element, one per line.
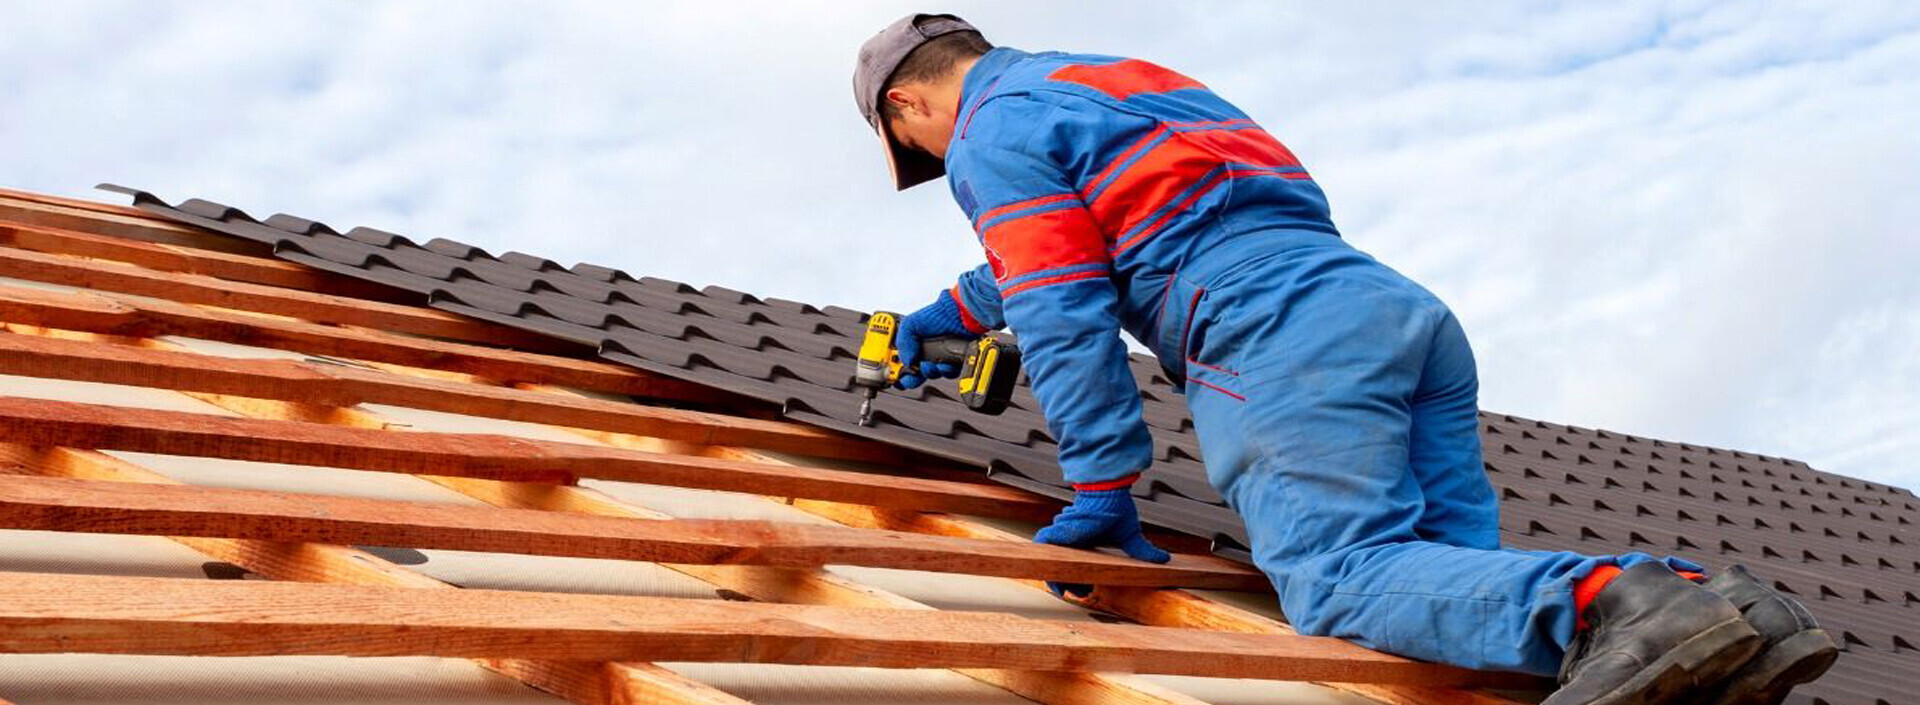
<point x="1686" y="220"/>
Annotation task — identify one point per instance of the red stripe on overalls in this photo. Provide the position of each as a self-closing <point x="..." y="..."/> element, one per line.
<point x="1178" y="166"/>
<point x="1049" y="240"/>
<point x="967" y="319"/>
<point x="1124" y="78"/>
<point x="1021" y="205"/>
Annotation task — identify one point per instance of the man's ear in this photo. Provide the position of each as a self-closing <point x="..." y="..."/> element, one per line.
<point x="906" y="101"/>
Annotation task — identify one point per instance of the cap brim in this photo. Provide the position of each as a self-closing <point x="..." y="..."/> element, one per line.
<point x="910" y="167"/>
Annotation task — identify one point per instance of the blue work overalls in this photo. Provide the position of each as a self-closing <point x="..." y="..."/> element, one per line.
<point x="1334" y="398"/>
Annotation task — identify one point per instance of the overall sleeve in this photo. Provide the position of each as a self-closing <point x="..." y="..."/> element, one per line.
<point x="1050" y="266"/>
<point x="979" y="299"/>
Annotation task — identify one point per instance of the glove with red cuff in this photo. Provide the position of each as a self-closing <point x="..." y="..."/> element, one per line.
<point x="1102" y="514"/>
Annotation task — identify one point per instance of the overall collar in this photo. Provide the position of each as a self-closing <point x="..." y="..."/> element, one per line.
<point x="979" y="83"/>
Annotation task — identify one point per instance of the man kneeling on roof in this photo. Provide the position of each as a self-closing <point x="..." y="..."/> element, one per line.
<point x="1334" y="398"/>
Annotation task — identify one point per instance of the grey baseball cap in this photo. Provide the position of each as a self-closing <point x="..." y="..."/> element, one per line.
<point x="878" y="59"/>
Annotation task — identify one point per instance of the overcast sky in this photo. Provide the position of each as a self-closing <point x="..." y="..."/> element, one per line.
<point x="1692" y="220"/>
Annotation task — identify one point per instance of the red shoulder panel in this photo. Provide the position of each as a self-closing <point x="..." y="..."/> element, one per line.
<point x="1124" y="78"/>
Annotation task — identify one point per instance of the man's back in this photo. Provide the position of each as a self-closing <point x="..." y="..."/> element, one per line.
<point x="1168" y="170"/>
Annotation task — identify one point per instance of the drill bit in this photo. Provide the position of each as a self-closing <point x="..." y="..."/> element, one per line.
<point x="866" y="407"/>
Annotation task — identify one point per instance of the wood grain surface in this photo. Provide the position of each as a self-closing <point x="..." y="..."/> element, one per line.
<point x="55" y="504"/>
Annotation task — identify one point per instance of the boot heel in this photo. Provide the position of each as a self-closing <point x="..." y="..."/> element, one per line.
<point x="1770" y="676"/>
<point x="1806" y="656"/>
<point x="1699" y="662"/>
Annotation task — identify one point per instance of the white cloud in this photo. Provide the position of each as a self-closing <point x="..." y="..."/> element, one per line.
<point x="1690" y="221"/>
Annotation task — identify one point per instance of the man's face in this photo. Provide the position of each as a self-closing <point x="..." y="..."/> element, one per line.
<point x="922" y="122"/>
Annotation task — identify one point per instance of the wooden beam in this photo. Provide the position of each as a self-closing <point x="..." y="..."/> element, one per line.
<point x="759" y="582"/>
<point x="588" y="684"/>
<point x="1155" y="607"/>
<point x="624" y="683"/>
<point x="340" y="385"/>
<point x="813" y="586"/>
<point x="101" y="275"/>
<point x="43" y="422"/>
<point x="1164" y="608"/>
<point x="548" y="490"/>
<point x="55" y="212"/>
<point x="91" y="207"/>
<point x="283" y="561"/>
<point x="84" y="614"/>
<point x="1158" y="607"/>
<point x="191" y="260"/>
<point x="146" y="317"/>
<point x="48" y="504"/>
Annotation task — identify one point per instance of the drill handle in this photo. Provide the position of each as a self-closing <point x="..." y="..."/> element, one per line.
<point x="952" y="349"/>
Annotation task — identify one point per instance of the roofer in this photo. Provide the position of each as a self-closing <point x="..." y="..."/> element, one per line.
<point x="1334" y="399"/>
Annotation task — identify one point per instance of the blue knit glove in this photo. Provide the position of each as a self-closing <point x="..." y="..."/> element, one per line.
<point x="942" y="317"/>
<point x="1103" y="517"/>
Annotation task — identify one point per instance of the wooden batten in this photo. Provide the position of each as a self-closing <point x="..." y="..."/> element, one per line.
<point x="342" y="385"/>
<point x="116" y="277"/>
<point x="141" y="317"/>
<point x="1165" y="608"/>
<point x="587" y="684"/>
<point x="192" y="260"/>
<point x="117" y="221"/>
<point x="625" y="683"/>
<point x="478" y="455"/>
<point x="812" y="586"/>
<point x="171" y="510"/>
<point x="42" y="613"/>
<point x="61" y="241"/>
<point x="1156" y="607"/>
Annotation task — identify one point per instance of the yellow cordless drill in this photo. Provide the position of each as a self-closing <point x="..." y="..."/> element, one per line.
<point x="989" y="367"/>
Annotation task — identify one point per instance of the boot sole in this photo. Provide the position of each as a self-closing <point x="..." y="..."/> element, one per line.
<point x="1701" y="661"/>
<point x="1769" y="677"/>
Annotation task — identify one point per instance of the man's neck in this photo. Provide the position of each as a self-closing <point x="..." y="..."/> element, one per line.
<point x="961" y="69"/>
<point x="954" y="85"/>
<point x="953" y="89"/>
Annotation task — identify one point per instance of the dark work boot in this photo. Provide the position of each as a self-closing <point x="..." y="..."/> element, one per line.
<point x="1653" y="637"/>
<point x="1796" y="650"/>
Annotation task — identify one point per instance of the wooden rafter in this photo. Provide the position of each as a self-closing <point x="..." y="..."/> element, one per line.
<point x="588" y="684"/>
<point x="62" y="613"/>
<point x="340" y="385"/>
<point x="812" y="586"/>
<point x="477" y="455"/>
<point x="285" y="561"/>
<point x="612" y="683"/>
<point x="1158" y="607"/>
<point x="1166" y="608"/>
<point x="164" y="510"/>
<point x="576" y="680"/>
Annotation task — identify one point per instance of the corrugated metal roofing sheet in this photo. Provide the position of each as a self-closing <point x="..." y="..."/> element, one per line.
<point x="1849" y="548"/>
